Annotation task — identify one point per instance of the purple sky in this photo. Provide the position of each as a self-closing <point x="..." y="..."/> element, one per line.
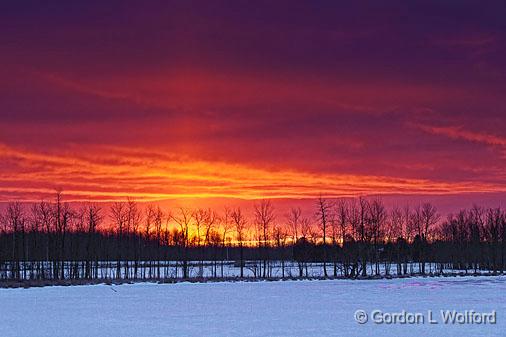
<point x="252" y="99"/>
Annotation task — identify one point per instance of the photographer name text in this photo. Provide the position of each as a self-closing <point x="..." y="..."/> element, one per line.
<point x="427" y="317"/>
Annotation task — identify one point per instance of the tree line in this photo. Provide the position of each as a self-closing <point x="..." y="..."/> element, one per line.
<point x="353" y="237"/>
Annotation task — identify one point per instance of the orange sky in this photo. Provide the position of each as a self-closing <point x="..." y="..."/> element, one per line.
<point x="208" y="102"/>
<point x="114" y="173"/>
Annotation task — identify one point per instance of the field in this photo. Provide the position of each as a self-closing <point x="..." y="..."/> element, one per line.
<point x="282" y="308"/>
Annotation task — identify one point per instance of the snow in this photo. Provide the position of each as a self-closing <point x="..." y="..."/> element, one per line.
<point x="282" y="308"/>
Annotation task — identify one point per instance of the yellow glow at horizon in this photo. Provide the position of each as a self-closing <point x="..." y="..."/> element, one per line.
<point x="112" y="173"/>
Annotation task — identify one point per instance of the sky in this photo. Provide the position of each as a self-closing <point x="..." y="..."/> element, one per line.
<point x="212" y="100"/>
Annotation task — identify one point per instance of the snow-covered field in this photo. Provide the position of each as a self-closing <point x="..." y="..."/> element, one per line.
<point x="283" y="308"/>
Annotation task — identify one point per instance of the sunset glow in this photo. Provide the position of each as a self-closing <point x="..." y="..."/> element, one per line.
<point x="252" y="168"/>
<point x="215" y="101"/>
<point x="156" y="176"/>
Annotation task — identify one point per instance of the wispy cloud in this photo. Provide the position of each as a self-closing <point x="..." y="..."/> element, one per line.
<point x="202" y="90"/>
<point x="260" y="105"/>
<point x="458" y="132"/>
<point x="116" y="173"/>
<point x="471" y="40"/>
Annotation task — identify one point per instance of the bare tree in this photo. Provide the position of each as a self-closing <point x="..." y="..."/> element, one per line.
<point x="294" y="222"/>
<point x="422" y="222"/>
<point x="119" y="217"/>
<point x="35" y="230"/>
<point x="430" y="217"/>
<point x="94" y="218"/>
<point x="183" y="218"/>
<point x="149" y="220"/>
<point x="476" y="229"/>
<point x="394" y="235"/>
<point x="280" y="237"/>
<point x="352" y="241"/>
<point x="226" y="226"/>
<point x="15" y="220"/>
<point x="324" y="209"/>
<point x="56" y="241"/>
<point x="134" y="219"/>
<point x="377" y="220"/>
<point x="240" y="226"/>
<point x="264" y="217"/>
<point x="303" y="252"/>
<point x="342" y="216"/>
<point x="158" y="223"/>
<point x="204" y="222"/>
<point x="364" y="234"/>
